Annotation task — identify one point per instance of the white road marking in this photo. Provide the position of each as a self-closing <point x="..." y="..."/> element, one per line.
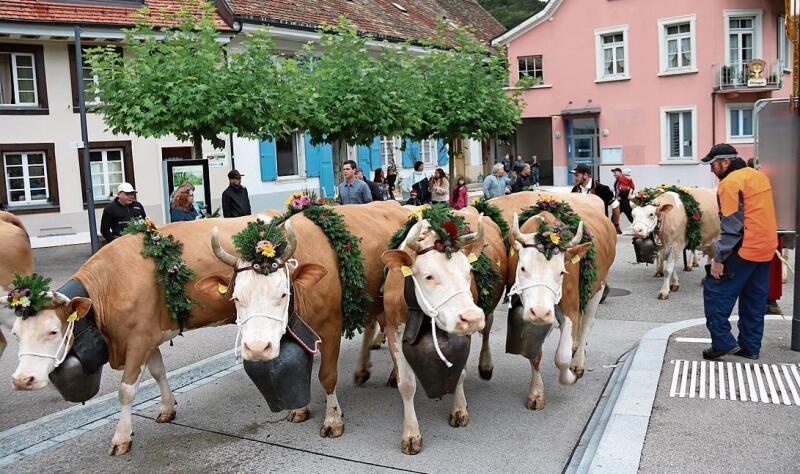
<point x="790" y="383"/>
<point x="731" y="382"/>
<point x="742" y="390"/>
<point x="772" y="391"/>
<point x="692" y="385"/>
<point x="750" y="384"/>
<point x="712" y="387"/>
<point x="702" y="379"/>
<point x="721" y="369"/>
<point x="683" y="379"/>
<point x="781" y="388"/>
<point x="674" y="379"/>
<point x="701" y="340"/>
<point x="761" y="389"/>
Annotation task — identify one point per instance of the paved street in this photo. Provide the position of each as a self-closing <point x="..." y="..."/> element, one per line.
<point x="224" y="425"/>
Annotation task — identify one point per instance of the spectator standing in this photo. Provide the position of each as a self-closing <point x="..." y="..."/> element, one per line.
<point x="507" y="163"/>
<point x="524" y="180"/>
<point x="352" y="190"/>
<point x="120" y="212"/>
<point x="623" y="187"/>
<point x="740" y="266"/>
<point x="380" y="181"/>
<point x="373" y="188"/>
<point x="585" y="184"/>
<point x="535" y="169"/>
<point x="439" y="187"/>
<point x="459" y="194"/>
<point x="495" y="184"/>
<point x="235" y="201"/>
<point x="518" y="164"/>
<point x="182" y="206"/>
<point x="391" y="180"/>
<point x="413" y="198"/>
<point x="418" y="181"/>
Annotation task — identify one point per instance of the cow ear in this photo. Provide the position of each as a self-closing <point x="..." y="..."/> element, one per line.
<point x="580" y="250"/>
<point x="79" y="306"/>
<point x="214" y="286"/>
<point x="308" y="274"/>
<point x="394" y="259"/>
<point x="664" y="208"/>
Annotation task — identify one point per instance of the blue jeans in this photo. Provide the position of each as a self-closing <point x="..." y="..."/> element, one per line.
<point x="749" y="282"/>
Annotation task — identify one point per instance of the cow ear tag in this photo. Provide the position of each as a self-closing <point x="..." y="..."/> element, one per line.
<point x="406" y="271"/>
<point x="472" y="258"/>
<point x="72" y="317"/>
<point x="222" y="288"/>
<point x="575" y="259"/>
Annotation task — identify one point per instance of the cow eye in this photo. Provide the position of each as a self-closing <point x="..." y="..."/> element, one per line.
<point x="429" y="277"/>
<point x="52" y="333"/>
<point x="283" y="296"/>
<point x="523" y="269"/>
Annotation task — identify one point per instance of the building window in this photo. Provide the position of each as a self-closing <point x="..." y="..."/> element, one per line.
<point x="679" y="125"/>
<point x="390" y="150"/>
<point x="742" y="36"/>
<point x="21" y="77"/>
<point x="90" y="80"/>
<point x="740" y="123"/>
<point x="108" y="172"/>
<point x="612" y="53"/>
<point x="286" y="156"/>
<point x="531" y="66"/>
<point x="677" y="45"/>
<point x="784" y="45"/>
<point x="29" y="176"/>
<point x="428" y="152"/>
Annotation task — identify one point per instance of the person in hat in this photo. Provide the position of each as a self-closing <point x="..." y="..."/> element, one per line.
<point x="585" y="184"/>
<point x="235" y="201"/>
<point x="740" y="266"/>
<point x="119" y="212"/>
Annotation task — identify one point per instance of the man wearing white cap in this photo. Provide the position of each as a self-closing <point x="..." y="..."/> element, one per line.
<point x="119" y="212"/>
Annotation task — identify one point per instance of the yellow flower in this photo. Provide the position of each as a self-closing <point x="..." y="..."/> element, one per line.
<point x="475" y="200"/>
<point x="555" y="238"/>
<point x="150" y="224"/>
<point x="268" y="251"/>
<point x="416" y="213"/>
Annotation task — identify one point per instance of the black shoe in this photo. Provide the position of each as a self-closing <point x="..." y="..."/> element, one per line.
<point x="746" y="354"/>
<point x="711" y="354"/>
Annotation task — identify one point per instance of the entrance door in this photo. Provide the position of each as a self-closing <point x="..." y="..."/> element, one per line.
<point x="583" y="144"/>
<point x="193" y="171"/>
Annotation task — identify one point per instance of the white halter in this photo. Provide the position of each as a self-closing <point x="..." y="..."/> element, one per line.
<point x="290" y="265"/>
<point x="62" y="346"/>
<point x="517" y="289"/>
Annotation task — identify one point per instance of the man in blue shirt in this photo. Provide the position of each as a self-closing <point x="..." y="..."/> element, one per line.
<point x="495" y="184"/>
<point x="352" y="190"/>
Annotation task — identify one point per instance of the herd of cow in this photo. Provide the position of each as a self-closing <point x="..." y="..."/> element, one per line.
<point x="132" y="316"/>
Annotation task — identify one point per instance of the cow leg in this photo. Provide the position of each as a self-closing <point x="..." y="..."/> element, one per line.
<point x="363" y="365"/>
<point x="669" y="268"/>
<point x="659" y="265"/>
<point x="411" y="441"/>
<point x="536" y="394"/>
<point x="696" y="259"/>
<point x="121" y="442"/>
<point x="2" y="343"/>
<point x="564" y="353"/>
<point x="458" y="414"/>
<point x="378" y="340"/>
<point x="332" y="426"/>
<point x="156" y="367"/>
<point x="579" y="357"/>
<point x="485" y="364"/>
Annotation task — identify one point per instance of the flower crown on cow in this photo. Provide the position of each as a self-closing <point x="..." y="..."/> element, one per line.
<point x="27" y="295"/>
<point x="552" y="240"/>
<point x="260" y="242"/>
<point x="447" y="225"/>
<point x="646" y="197"/>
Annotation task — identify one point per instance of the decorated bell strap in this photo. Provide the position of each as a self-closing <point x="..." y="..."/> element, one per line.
<point x="303" y="334"/>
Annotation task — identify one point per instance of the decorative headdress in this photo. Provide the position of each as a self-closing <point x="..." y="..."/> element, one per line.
<point x="27" y="295"/>
<point x="263" y="244"/>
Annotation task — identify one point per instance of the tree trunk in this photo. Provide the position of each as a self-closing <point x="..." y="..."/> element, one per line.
<point x="451" y="160"/>
<point x="197" y="141"/>
<point x="339" y="156"/>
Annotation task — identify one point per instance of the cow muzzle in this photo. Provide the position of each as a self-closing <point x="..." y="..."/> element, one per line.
<point x="259" y="351"/>
<point x="469" y="321"/>
<point x="540" y="315"/>
<point x="28" y="381"/>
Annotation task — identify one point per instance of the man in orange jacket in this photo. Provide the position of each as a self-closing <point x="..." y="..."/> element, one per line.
<point x="740" y="267"/>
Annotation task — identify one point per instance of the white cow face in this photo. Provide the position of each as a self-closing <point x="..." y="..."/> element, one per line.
<point x="40" y="340"/>
<point x="442" y="284"/>
<point x="645" y="218"/>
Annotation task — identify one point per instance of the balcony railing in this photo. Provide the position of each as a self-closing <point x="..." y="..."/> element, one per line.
<point x="748" y="76"/>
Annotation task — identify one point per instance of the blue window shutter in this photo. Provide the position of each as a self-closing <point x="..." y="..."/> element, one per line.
<point x="313" y="158"/>
<point x="375" y="151"/>
<point x="442" y="149"/>
<point x="364" y="162"/>
<point x="326" y="168"/>
<point x="409" y="157"/>
<point x="267" y="159"/>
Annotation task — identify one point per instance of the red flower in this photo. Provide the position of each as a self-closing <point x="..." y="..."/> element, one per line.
<point x="347" y="246"/>
<point x="451" y="228"/>
<point x="696" y="216"/>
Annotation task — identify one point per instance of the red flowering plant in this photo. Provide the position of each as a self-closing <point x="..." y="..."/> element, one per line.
<point x="447" y="225"/>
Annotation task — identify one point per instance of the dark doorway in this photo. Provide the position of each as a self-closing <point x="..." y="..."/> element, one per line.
<point x="534" y="137"/>
<point x="177" y="153"/>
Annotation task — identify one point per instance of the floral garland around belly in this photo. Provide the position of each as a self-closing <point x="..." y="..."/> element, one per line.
<point x="694" y="215"/>
<point x="563" y="212"/>
<point x="171" y="270"/>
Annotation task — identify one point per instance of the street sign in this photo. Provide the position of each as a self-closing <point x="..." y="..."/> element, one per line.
<point x="76" y="145"/>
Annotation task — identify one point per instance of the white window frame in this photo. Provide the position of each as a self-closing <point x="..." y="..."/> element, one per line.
<point x="109" y="191"/>
<point x="26" y="179"/>
<point x="784" y="45"/>
<point x="758" y="31"/>
<point x="739" y="138"/>
<point x="665" y="138"/>
<point x="599" y="59"/>
<point x="15" y="84"/>
<point x="432" y="154"/>
<point x="534" y="70"/>
<point x="663" y="52"/>
<point x="395" y="143"/>
<point x="298" y="143"/>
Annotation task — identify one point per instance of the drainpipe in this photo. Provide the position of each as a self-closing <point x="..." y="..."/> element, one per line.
<point x="713" y="121"/>
<point x="233" y="160"/>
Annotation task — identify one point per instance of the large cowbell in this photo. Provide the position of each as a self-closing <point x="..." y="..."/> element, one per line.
<point x="77" y="379"/>
<point x="285" y="381"/>
<point x="522" y="337"/>
<point x="645" y="249"/>
<point x="419" y="350"/>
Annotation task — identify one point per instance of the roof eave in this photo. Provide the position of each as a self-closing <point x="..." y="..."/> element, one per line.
<point x="532" y="22"/>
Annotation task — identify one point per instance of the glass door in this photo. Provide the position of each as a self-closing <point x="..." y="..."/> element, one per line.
<point x="583" y="144"/>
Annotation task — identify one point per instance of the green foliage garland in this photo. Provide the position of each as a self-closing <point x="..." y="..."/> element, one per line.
<point x="495" y="214"/>
<point x="694" y="215"/>
<point x="171" y="271"/>
<point x="485" y="279"/>
<point x="564" y="213"/>
<point x="27" y="295"/>
<point x="260" y="242"/>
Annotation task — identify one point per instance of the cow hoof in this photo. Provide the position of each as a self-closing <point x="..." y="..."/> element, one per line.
<point x="165" y="417"/>
<point x="332" y="430"/>
<point x="659" y="275"/>
<point x="376" y="345"/>
<point x="361" y="377"/>
<point x="485" y="373"/>
<point x="459" y="420"/>
<point x="535" y="403"/>
<point x="663" y="296"/>
<point x="675" y="287"/>
<point x="118" y="449"/>
<point x="298" y="416"/>
<point x="411" y="444"/>
<point x="687" y="269"/>
<point x="578" y="371"/>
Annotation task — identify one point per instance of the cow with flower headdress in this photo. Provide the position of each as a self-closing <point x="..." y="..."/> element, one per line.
<point x="15" y="256"/>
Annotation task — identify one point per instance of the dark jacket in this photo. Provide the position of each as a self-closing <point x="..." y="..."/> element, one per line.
<point x="375" y="190"/>
<point x="600" y="190"/>
<point x="235" y="202"/>
<point x="116" y="217"/>
<point x="522" y="182"/>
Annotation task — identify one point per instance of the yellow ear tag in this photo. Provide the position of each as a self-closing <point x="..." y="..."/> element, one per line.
<point x="472" y="258"/>
<point x="513" y="251"/>
<point x="406" y="271"/>
<point x="222" y="288"/>
<point x="576" y="259"/>
<point x="72" y="317"/>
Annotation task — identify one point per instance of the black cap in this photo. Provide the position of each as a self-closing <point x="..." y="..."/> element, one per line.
<point x="616" y="169"/>
<point x="234" y="174"/>
<point x="582" y="168"/>
<point x="720" y="151"/>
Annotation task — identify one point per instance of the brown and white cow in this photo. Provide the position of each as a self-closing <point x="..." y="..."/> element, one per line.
<point x="319" y="305"/>
<point x="15" y="256"/>
<point x="131" y="313"/>
<point x="448" y="287"/>
<point x="666" y="219"/>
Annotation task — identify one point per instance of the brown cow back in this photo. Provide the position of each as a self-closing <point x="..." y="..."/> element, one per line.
<point x="15" y="251"/>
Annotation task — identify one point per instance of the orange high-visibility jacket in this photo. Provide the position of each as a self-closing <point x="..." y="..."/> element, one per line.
<point x="747" y="217"/>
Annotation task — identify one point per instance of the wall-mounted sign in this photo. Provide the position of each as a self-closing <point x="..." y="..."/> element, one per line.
<point x="611" y="155"/>
<point x="216" y="159"/>
<point x="755" y="77"/>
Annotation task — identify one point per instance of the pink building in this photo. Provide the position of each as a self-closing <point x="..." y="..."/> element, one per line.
<point x="644" y="84"/>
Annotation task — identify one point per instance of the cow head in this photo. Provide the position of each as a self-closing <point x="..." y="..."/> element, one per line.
<point x="44" y="339"/>
<point x="442" y="284"/>
<point x="262" y="296"/>
<point x="645" y="217"/>
<point x="539" y="280"/>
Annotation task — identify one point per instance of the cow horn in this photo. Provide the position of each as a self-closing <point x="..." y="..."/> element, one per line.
<point x="470" y="239"/>
<point x="291" y="243"/>
<point x="411" y="239"/>
<point x="58" y="298"/>
<point x="517" y="234"/>
<point x="578" y="235"/>
<point x="221" y="254"/>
